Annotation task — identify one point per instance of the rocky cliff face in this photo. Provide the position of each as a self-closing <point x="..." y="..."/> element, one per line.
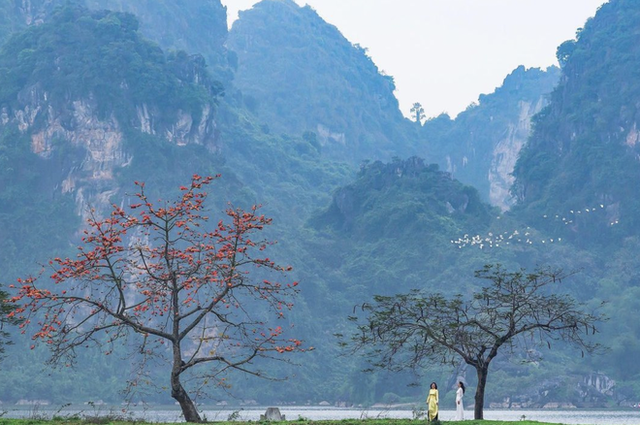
<point x="593" y="390"/>
<point x="584" y="149"/>
<point x="185" y="129"/>
<point x="34" y="12"/>
<point x="299" y="74"/>
<point x="193" y="26"/>
<point x="87" y="83"/>
<point x="480" y="147"/>
<point x="505" y="154"/>
<point x="101" y="139"/>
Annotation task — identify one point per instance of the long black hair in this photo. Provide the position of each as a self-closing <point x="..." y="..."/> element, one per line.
<point x="433" y="384"/>
<point x="462" y="386"/>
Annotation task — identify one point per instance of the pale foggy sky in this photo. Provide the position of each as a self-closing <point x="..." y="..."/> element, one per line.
<point x="444" y="53"/>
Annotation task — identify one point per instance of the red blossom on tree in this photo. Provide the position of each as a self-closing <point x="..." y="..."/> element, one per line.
<point x="158" y="276"/>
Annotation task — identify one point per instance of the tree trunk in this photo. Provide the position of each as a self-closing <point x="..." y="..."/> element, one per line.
<point x="189" y="410"/>
<point x="178" y="392"/>
<point x="478" y="409"/>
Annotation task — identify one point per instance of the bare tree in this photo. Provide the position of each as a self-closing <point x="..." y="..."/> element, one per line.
<point x="406" y="330"/>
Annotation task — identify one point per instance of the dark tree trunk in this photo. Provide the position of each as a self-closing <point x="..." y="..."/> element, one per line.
<point x="178" y="392"/>
<point x="186" y="404"/>
<point x="478" y="409"/>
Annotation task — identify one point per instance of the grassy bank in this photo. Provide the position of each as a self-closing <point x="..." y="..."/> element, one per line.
<point x="107" y="421"/>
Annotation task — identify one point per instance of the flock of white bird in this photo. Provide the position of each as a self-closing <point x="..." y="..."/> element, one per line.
<point x="524" y="236"/>
<point x="575" y="213"/>
<point x="493" y="240"/>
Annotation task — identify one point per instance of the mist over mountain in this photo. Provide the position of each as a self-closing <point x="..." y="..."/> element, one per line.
<point x="583" y="153"/>
<point x="77" y="130"/>
<point x="196" y="27"/>
<point x="96" y="94"/>
<point x="299" y="74"/>
<point x="16" y="15"/>
<point x="481" y="146"/>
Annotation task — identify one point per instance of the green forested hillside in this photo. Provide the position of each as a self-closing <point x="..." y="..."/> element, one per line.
<point x="577" y="176"/>
<point x="391" y="230"/>
<point x="298" y="74"/>
<point x="583" y="153"/>
<point x="16" y="15"/>
<point x="100" y="56"/>
<point x="71" y="89"/>
<point x="91" y="74"/>
<point x="481" y="145"/>
<point x="110" y="66"/>
<point x="387" y="231"/>
<point x="196" y="27"/>
<point x="307" y="107"/>
<point x="398" y="227"/>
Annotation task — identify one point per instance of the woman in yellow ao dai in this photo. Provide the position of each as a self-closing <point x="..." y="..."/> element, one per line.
<point x="432" y="402"/>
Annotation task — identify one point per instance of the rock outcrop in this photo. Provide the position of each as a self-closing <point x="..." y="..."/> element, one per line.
<point x="505" y="154"/>
<point x="70" y="99"/>
<point x="79" y="125"/>
<point x="298" y="73"/>
<point x="481" y="146"/>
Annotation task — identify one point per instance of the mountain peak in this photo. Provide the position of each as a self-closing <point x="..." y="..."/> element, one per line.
<point x="584" y="149"/>
<point x="299" y="74"/>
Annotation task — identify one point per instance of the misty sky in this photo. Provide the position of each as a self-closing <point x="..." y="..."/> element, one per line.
<point x="444" y="53"/>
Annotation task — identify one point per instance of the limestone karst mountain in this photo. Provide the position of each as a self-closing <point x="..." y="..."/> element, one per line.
<point x="581" y="162"/>
<point x="480" y="147"/>
<point x="101" y="87"/>
<point x="91" y="103"/>
<point x="193" y="26"/>
<point x="299" y="74"/>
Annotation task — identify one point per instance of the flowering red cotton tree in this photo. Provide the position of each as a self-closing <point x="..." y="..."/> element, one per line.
<point x="155" y="275"/>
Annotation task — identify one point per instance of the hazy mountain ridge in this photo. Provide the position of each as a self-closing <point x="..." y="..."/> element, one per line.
<point x="481" y="146"/>
<point x="583" y="152"/>
<point x="299" y="74"/>
<point x="61" y="88"/>
<point x="389" y="228"/>
<point x="18" y="14"/>
<point x="196" y="27"/>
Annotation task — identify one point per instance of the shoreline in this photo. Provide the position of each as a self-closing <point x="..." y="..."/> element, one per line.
<point x="240" y="414"/>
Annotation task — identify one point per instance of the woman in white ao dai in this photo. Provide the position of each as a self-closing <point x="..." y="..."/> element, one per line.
<point x="459" y="404"/>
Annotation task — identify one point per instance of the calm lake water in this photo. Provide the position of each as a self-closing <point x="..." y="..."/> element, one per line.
<point x="172" y="414"/>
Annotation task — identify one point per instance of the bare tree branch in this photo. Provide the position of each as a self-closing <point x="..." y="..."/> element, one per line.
<point x="406" y="330"/>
